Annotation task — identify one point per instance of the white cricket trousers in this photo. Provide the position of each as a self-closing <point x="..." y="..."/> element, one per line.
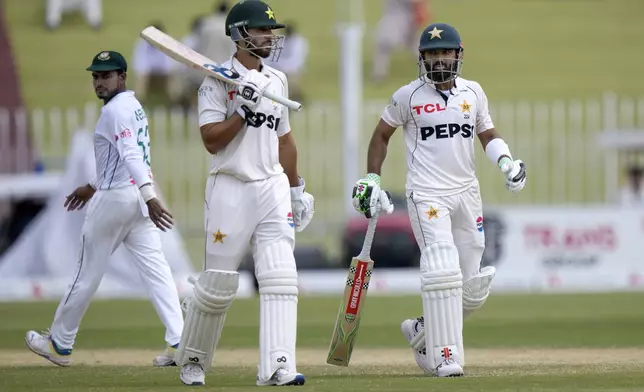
<point x="241" y="215"/>
<point x="115" y="217"/>
<point x="457" y="219"/>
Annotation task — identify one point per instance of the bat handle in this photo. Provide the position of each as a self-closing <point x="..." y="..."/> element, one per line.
<point x="368" y="238"/>
<point x="293" y="105"/>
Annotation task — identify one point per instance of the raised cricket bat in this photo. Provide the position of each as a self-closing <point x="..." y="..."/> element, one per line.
<point x="185" y="55"/>
<point x="355" y="293"/>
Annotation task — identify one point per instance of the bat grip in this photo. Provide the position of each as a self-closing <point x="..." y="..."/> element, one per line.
<point x="368" y="238"/>
<point x="284" y="101"/>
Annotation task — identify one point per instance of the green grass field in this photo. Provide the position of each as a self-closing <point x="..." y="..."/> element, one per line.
<point x="517" y="342"/>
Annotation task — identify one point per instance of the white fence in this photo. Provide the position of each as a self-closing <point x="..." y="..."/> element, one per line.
<point x="557" y="140"/>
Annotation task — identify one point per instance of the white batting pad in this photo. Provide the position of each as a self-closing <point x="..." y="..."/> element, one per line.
<point x="441" y="285"/>
<point x="213" y="293"/>
<point x="477" y="289"/>
<point x="277" y="279"/>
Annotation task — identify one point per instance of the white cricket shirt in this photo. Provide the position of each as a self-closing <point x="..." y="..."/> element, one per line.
<point x="122" y="144"/>
<point x="439" y="134"/>
<point x="254" y="152"/>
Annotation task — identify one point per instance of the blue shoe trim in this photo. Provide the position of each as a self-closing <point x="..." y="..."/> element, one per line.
<point x="60" y="351"/>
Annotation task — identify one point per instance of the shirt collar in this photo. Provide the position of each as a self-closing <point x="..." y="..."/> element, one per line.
<point x="239" y="67"/>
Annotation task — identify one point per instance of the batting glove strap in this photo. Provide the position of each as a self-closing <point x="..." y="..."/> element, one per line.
<point x="249" y="116"/>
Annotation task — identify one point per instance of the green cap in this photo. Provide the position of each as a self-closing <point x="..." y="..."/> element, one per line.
<point x="108" y="60"/>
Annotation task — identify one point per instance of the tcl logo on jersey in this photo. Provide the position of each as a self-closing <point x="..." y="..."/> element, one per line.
<point x="429" y="108"/>
<point x="445" y="131"/>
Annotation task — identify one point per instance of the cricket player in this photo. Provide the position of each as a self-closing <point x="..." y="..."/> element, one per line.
<point x="123" y="209"/>
<point x="440" y="114"/>
<point x="254" y="198"/>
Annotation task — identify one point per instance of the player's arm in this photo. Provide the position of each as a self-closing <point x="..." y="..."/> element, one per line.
<point x="216" y="130"/>
<point x="496" y="149"/>
<point x="394" y="116"/>
<point x="366" y="193"/>
<point x="288" y="158"/>
<point x="378" y="146"/>
<point x="287" y="147"/>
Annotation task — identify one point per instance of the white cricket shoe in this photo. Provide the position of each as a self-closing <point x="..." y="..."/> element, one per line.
<point x="167" y="358"/>
<point x="43" y="345"/>
<point x="449" y="368"/>
<point x="283" y="377"/>
<point x="192" y="374"/>
<point x="410" y="329"/>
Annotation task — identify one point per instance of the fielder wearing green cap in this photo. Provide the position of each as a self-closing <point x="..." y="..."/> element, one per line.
<point x="255" y="202"/>
<point x="441" y="114"/>
<point x="109" y="74"/>
<point x="123" y="209"/>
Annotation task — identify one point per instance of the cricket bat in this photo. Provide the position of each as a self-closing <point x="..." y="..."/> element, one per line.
<point x="185" y="55"/>
<point x="355" y="293"/>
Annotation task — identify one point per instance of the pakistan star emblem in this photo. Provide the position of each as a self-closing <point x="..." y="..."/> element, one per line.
<point x="435" y="33"/>
<point x="465" y="107"/>
<point x="218" y="236"/>
<point x="432" y="213"/>
<point x="270" y="13"/>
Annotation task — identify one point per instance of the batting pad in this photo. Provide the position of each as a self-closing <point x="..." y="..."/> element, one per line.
<point x="277" y="280"/>
<point x="441" y="286"/>
<point x="213" y="293"/>
<point x="477" y="289"/>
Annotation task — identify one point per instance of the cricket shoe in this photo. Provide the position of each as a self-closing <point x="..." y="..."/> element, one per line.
<point x="43" y="345"/>
<point x="412" y="330"/>
<point x="192" y="374"/>
<point x="167" y="358"/>
<point x="449" y="368"/>
<point x="283" y="377"/>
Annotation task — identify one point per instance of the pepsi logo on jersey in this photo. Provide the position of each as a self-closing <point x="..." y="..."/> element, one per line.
<point x="260" y="119"/>
<point x="447" y="131"/>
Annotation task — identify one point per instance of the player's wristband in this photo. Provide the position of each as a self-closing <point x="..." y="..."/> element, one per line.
<point x="147" y="192"/>
<point x="495" y="149"/>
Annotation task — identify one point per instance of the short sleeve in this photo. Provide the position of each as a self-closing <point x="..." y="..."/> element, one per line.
<point x="483" y="118"/>
<point x="212" y="100"/>
<point x="396" y="113"/>
<point x="284" y="125"/>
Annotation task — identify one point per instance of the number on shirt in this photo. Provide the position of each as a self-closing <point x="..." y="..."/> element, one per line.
<point x="144" y="142"/>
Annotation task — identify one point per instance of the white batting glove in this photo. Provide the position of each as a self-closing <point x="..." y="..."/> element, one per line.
<point x="515" y="174"/>
<point x="303" y="206"/>
<point x="249" y="94"/>
<point x="367" y="194"/>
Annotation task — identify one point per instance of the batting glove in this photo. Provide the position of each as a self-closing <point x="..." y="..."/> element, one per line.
<point x="515" y="174"/>
<point x="249" y="95"/>
<point x="367" y="194"/>
<point x="303" y="206"/>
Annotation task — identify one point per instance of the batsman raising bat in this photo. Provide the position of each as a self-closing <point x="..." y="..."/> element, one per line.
<point x="440" y="114"/>
<point x="254" y="197"/>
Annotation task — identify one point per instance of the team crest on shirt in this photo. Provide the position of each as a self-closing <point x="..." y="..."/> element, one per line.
<point x="465" y="108"/>
<point x="289" y="219"/>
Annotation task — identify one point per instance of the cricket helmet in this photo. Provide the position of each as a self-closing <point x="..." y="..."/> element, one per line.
<point x="435" y="68"/>
<point x="250" y="14"/>
<point x="254" y="14"/>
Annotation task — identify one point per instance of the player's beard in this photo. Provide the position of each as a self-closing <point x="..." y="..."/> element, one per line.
<point x="441" y="70"/>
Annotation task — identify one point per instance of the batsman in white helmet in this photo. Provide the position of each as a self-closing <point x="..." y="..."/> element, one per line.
<point x="254" y="199"/>
<point x="441" y="113"/>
